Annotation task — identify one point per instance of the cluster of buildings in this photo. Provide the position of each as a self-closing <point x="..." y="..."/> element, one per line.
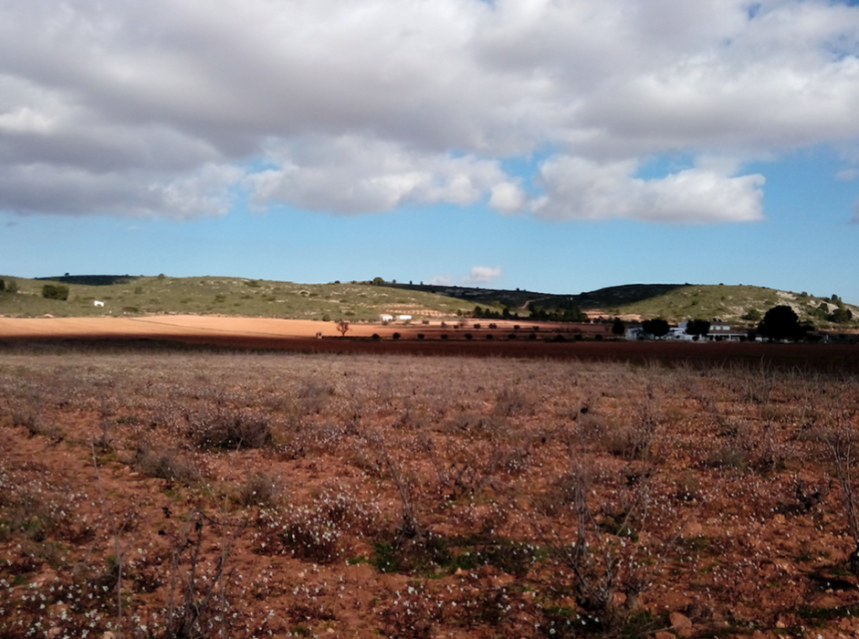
<point x="719" y="331"/>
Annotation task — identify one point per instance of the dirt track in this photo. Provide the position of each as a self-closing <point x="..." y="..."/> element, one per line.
<point x="299" y="336"/>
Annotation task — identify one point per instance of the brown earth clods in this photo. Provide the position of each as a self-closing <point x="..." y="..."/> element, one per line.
<point x="159" y="491"/>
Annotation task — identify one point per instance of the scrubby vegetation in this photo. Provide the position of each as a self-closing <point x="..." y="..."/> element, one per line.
<point x="55" y="292"/>
<point x="356" y="301"/>
<point x="203" y="494"/>
<point x="366" y="301"/>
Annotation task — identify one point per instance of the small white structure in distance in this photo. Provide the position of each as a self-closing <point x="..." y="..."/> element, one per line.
<point x="386" y="318"/>
<point x="97" y="303"/>
<point x="404" y="318"/>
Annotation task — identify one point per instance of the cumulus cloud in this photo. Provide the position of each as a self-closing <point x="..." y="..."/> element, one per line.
<point x="355" y="174"/>
<point x="577" y="188"/>
<point x="483" y="274"/>
<point x="507" y="197"/>
<point x="40" y="188"/>
<point x="169" y="107"/>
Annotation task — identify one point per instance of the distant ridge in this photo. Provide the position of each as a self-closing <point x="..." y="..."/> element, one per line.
<point x="91" y="280"/>
<point x="367" y="300"/>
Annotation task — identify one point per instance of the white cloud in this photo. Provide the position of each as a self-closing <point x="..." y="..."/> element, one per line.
<point x="354" y="174"/>
<point x="507" y="197"/>
<point x="847" y="175"/>
<point x="372" y="104"/>
<point x="577" y="188"/>
<point x="483" y="274"/>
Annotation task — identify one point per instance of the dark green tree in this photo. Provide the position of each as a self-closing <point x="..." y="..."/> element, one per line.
<point x="841" y="315"/>
<point x="618" y="327"/>
<point x="378" y="281"/>
<point x="55" y="292"/>
<point x="781" y="322"/>
<point x="697" y="327"/>
<point x="657" y="327"/>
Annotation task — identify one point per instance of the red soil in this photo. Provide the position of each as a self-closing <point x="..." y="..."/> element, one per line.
<point x="300" y="336"/>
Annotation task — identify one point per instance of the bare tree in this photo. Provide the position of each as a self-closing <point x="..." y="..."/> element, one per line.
<point x="343" y="327"/>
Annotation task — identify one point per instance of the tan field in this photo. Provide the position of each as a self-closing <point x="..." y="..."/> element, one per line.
<point x="199" y="325"/>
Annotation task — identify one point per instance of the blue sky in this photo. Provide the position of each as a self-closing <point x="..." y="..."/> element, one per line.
<point x="555" y="146"/>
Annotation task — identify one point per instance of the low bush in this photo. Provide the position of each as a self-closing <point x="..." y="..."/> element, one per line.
<point x="55" y="292"/>
<point x="164" y="464"/>
<point x="259" y="489"/>
<point x="230" y="429"/>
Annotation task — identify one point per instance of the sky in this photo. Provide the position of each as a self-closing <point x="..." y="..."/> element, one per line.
<point x="552" y="145"/>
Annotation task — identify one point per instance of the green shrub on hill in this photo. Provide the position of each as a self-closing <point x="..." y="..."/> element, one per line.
<point x="55" y="292"/>
<point x="753" y="315"/>
<point x="841" y="316"/>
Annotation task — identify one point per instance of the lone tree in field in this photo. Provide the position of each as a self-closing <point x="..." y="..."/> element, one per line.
<point x="781" y="322"/>
<point x="617" y="327"/>
<point x="656" y="327"/>
<point x="697" y="327"/>
<point x="343" y="327"/>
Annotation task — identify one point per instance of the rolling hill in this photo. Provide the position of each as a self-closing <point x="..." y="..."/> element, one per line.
<point x="365" y="301"/>
<point x="132" y="295"/>
<point x="674" y="302"/>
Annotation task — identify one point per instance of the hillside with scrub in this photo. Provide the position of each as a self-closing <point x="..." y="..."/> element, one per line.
<point x="76" y="296"/>
<point x="132" y="295"/>
<point x="673" y="302"/>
